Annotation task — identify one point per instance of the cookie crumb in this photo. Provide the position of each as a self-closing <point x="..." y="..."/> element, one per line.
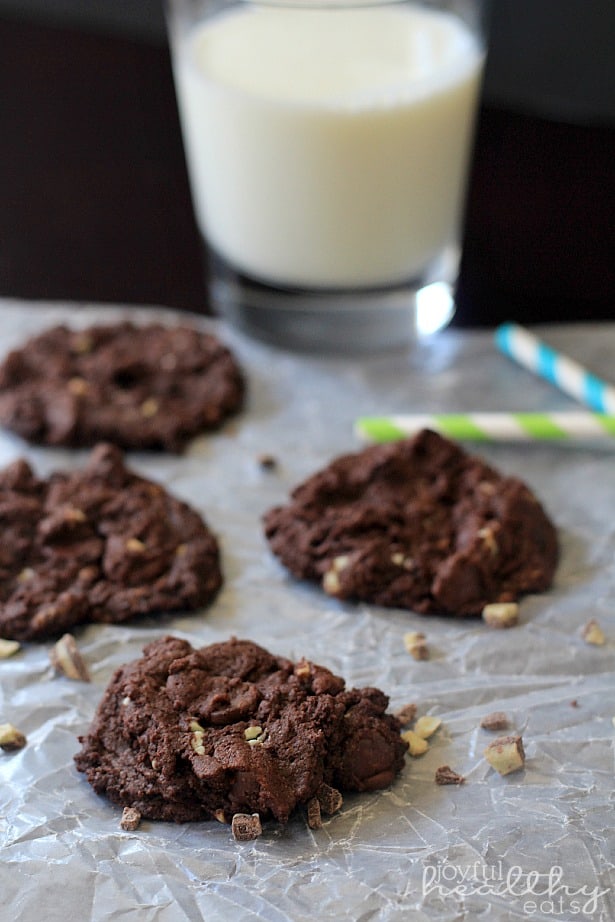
<point x="501" y="614"/>
<point x="574" y="703"/>
<point x="246" y="827"/>
<point x="506" y="754"/>
<point x="267" y="462"/>
<point x="593" y="634"/>
<point x="66" y="658"/>
<point x="446" y="775"/>
<point x="11" y="738"/>
<point x="314" y="817"/>
<point x="497" y="720"/>
<point x="330" y="799"/>
<point x="131" y="819"/>
<point x="406" y="714"/>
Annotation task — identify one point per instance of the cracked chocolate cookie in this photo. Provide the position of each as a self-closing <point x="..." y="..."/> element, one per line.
<point x="99" y="544"/>
<point x="141" y="387"/>
<point x="194" y="734"/>
<point x="416" y="524"/>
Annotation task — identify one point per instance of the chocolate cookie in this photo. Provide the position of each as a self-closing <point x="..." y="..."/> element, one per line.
<point x="102" y="544"/>
<point x="184" y="734"/>
<point x="416" y="524"/>
<point x="140" y="387"/>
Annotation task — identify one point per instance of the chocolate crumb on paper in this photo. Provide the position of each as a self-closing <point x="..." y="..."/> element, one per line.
<point x="446" y="775"/>
<point x="406" y="714"/>
<point x="246" y="827"/>
<point x="314" y="817"/>
<point x="267" y="462"/>
<point x="131" y="819"/>
<point x="330" y="799"/>
<point x="497" y="720"/>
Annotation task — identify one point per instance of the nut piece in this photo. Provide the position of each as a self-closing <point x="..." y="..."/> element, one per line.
<point x="501" y="614"/>
<point x="246" y="827"/>
<point x="313" y="813"/>
<point x="489" y="540"/>
<point x="446" y="775"/>
<point x="254" y="735"/>
<point x="330" y="799"/>
<point x="134" y="546"/>
<point x="149" y="408"/>
<point x="26" y="575"/>
<point x="196" y="740"/>
<point x="330" y="581"/>
<point x="131" y="818"/>
<point x="66" y="658"/>
<point x="11" y="738"/>
<point x="303" y="670"/>
<point x="416" y="744"/>
<point x="81" y="343"/>
<point x="78" y="386"/>
<point x="506" y="754"/>
<point x="400" y="560"/>
<point x="8" y="647"/>
<point x="592" y="633"/>
<point x="427" y="726"/>
<point x="497" y="720"/>
<point x="406" y="714"/>
<point x="414" y="643"/>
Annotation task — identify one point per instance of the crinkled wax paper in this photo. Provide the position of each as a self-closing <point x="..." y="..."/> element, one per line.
<point x="536" y="844"/>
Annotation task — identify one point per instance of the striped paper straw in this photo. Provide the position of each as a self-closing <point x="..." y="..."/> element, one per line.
<point x="566" y="374"/>
<point x="485" y="427"/>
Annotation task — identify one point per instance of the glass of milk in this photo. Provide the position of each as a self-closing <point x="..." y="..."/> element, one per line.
<point x="327" y="144"/>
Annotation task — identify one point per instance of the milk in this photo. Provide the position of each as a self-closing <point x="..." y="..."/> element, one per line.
<point x="328" y="148"/>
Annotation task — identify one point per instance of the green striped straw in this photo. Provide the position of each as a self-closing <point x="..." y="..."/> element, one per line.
<point x="491" y="427"/>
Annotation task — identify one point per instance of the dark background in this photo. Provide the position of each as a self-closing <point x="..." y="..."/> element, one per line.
<point x="94" y="197"/>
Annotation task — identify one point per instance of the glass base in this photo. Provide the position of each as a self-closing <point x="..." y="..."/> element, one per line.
<point x="332" y="321"/>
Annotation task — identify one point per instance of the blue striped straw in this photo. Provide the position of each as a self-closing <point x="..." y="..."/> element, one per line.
<point x="566" y="374"/>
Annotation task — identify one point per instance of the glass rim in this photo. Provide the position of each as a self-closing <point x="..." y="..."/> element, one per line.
<point x="307" y="5"/>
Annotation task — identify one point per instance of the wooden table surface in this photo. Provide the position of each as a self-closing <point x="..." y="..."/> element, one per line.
<point x="95" y="203"/>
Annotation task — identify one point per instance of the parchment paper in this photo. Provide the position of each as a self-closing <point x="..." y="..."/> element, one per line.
<point x="536" y="844"/>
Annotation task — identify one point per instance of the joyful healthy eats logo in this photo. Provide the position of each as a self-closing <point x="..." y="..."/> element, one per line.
<point x="546" y="893"/>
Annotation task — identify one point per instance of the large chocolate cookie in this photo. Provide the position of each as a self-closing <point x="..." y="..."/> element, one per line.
<point x="416" y="524"/>
<point x="101" y="544"/>
<point x="184" y="734"/>
<point x="149" y="387"/>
